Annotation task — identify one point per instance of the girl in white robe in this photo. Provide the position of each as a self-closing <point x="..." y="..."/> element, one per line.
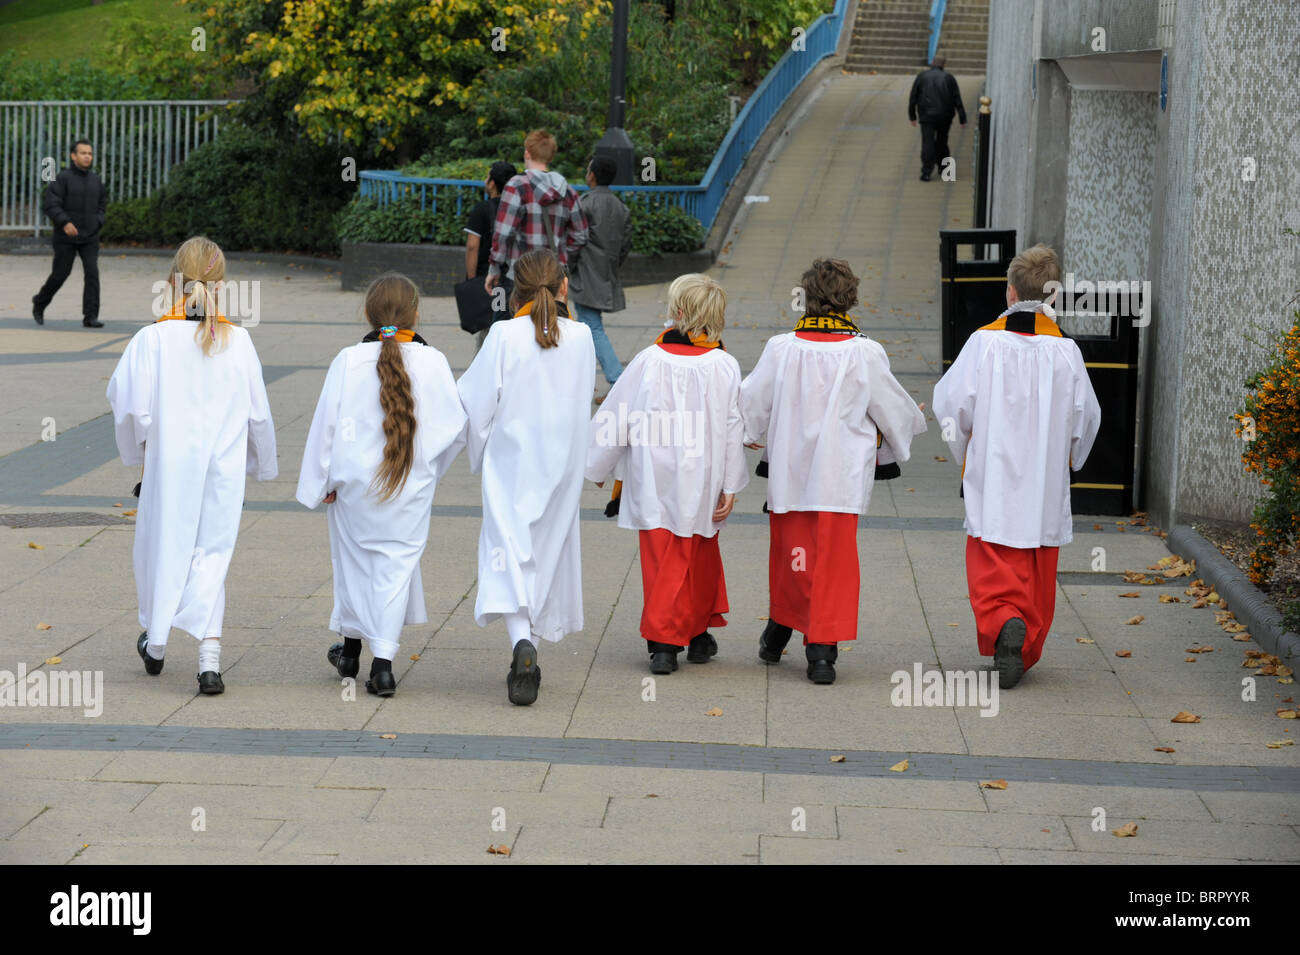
<point x="189" y="404"/>
<point x="671" y="427"/>
<point x="528" y="397"/>
<point x="387" y="427"/>
<point x="824" y="396"/>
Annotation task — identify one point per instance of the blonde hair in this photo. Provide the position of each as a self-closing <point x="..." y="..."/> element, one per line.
<point x="697" y="305"/>
<point x="538" y="278"/>
<point x="199" y="263"/>
<point x="1031" y="270"/>
<point x="393" y="299"/>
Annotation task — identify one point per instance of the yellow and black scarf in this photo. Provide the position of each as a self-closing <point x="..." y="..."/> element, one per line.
<point x="834" y="322"/>
<point x="671" y="336"/>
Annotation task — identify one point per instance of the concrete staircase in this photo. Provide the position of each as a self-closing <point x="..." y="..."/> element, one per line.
<point x="964" y="39"/>
<point x="889" y="36"/>
<point x="892" y="36"/>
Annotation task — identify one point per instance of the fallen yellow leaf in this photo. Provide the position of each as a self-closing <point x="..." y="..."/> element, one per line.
<point x="1170" y="599"/>
<point x="1128" y="829"/>
<point x="35" y="546"/>
<point x="1165" y="749"/>
<point x="1134" y="621"/>
<point x="837" y="759"/>
<point x="1241" y="637"/>
<point x="415" y="656"/>
<point x="44" y="626"/>
<point x="130" y="513"/>
<point x="1087" y="640"/>
<point x="1279" y="743"/>
<point x="1286" y="714"/>
<point x="54" y="661"/>
<point x="1200" y="648"/>
<point x="716" y="711"/>
<point x="994" y="784"/>
<point x="1132" y="593"/>
<point x="1185" y="717"/>
<point x="388" y="736"/>
<point x="899" y="767"/>
<point x="499" y="850"/>
<point x="1124" y="653"/>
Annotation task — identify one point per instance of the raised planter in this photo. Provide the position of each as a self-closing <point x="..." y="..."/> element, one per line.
<point x="437" y="268"/>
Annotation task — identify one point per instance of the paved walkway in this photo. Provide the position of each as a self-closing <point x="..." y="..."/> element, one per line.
<point x="603" y="769"/>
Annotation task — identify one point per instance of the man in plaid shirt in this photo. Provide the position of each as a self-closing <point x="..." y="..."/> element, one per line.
<point x="527" y="197"/>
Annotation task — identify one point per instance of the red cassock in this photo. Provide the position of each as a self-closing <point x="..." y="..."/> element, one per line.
<point x="1008" y="582"/>
<point x="812" y="574"/>
<point x="683" y="585"/>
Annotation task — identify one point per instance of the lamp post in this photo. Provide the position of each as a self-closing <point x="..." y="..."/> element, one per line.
<point x="616" y="144"/>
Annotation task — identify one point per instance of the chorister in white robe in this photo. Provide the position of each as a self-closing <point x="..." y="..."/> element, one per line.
<point x="529" y="410"/>
<point x="670" y="429"/>
<point x="199" y="424"/>
<point x="822" y="405"/>
<point x="1019" y="411"/>
<point x="375" y="546"/>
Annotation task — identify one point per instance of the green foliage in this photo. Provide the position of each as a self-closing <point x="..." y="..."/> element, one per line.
<point x="656" y="229"/>
<point x="472" y="169"/>
<point x="46" y="79"/>
<point x="160" y="57"/>
<point x="245" y="192"/>
<point x="755" y="34"/>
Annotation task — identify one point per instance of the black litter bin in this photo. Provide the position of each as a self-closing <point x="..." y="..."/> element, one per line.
<point x="974" y="294"/>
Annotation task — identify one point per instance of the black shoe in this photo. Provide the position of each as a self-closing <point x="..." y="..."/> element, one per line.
<point x="525" y="676"/>
<point x="210" y="683"/>
<point x="925" y="177"/>
<point x="382" y="683"/>
<point x="348" y="667"/>
<point x="701" y="648"/>
<point x="92" y="323"/>
<point x="1008" y="652"/>
<point x="151" y="666"/>
<point x="821" y="662"/>
<point x="38" y="313"/>
<point x="663" y="657"/>
<point x="773" y="641"/>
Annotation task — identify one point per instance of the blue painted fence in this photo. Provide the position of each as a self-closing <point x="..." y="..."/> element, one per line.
<point x="937" y="10"/>
<point x="702" y="201"/>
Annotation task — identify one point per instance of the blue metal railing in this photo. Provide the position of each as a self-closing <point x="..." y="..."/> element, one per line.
<point x="937" y="10"/>
<point x="702" y="201"/>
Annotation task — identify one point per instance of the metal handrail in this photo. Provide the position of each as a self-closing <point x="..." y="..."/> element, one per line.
<point x="705" y="199"/>
<point x="937" y="10"/>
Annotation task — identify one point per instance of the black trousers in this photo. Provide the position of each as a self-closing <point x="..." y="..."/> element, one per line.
<point x="934" y="145"/>
<point x="65" y="253"/>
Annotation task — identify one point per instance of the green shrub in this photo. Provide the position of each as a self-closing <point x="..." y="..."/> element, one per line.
<point x="134" y="220"/>
<point x="473" y="169"/>
<point x="656" y="228"/>
<point x="76" y="79"/>
<point x="250" y="192"/>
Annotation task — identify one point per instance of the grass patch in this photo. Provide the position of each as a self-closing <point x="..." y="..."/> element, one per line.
<point x="64" y="30"/>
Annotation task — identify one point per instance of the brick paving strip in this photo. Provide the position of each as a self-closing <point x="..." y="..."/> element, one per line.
<point x="727" y="757"/>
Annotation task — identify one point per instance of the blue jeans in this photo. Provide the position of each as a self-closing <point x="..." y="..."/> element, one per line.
<point x="609" y="363"/>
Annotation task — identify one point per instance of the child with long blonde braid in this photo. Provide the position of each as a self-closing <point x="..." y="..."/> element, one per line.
<point x="387" y="427"/>
<point x="189" y="405"/>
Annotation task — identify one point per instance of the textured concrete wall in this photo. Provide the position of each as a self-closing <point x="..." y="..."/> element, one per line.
<point x="1108" y="194"/>
<point x="1221" y="268"/>
<point x="1227" y="270"/>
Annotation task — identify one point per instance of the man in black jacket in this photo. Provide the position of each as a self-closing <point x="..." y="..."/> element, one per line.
<point x="934" y="98"/>
<point x="75" y="202"/>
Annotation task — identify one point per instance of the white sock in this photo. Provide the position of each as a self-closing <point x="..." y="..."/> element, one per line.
<point x="210" y="655"/>
<point x="155" y="651"/>
<point x="518" y="628"/>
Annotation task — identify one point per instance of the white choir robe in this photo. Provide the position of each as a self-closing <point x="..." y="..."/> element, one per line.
<point x="199" y="424"/>
<point x="1019" y="411"/>
<point x="671" y="429"/>
<point x="821" y="405"/>
<point x="529" y="410"/>
<point x="375" y="546"/>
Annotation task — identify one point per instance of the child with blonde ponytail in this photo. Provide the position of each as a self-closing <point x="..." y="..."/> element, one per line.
<point x="190" y="406"/>
<point x="387" y="427"/>
<point x="528" y="396"/>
